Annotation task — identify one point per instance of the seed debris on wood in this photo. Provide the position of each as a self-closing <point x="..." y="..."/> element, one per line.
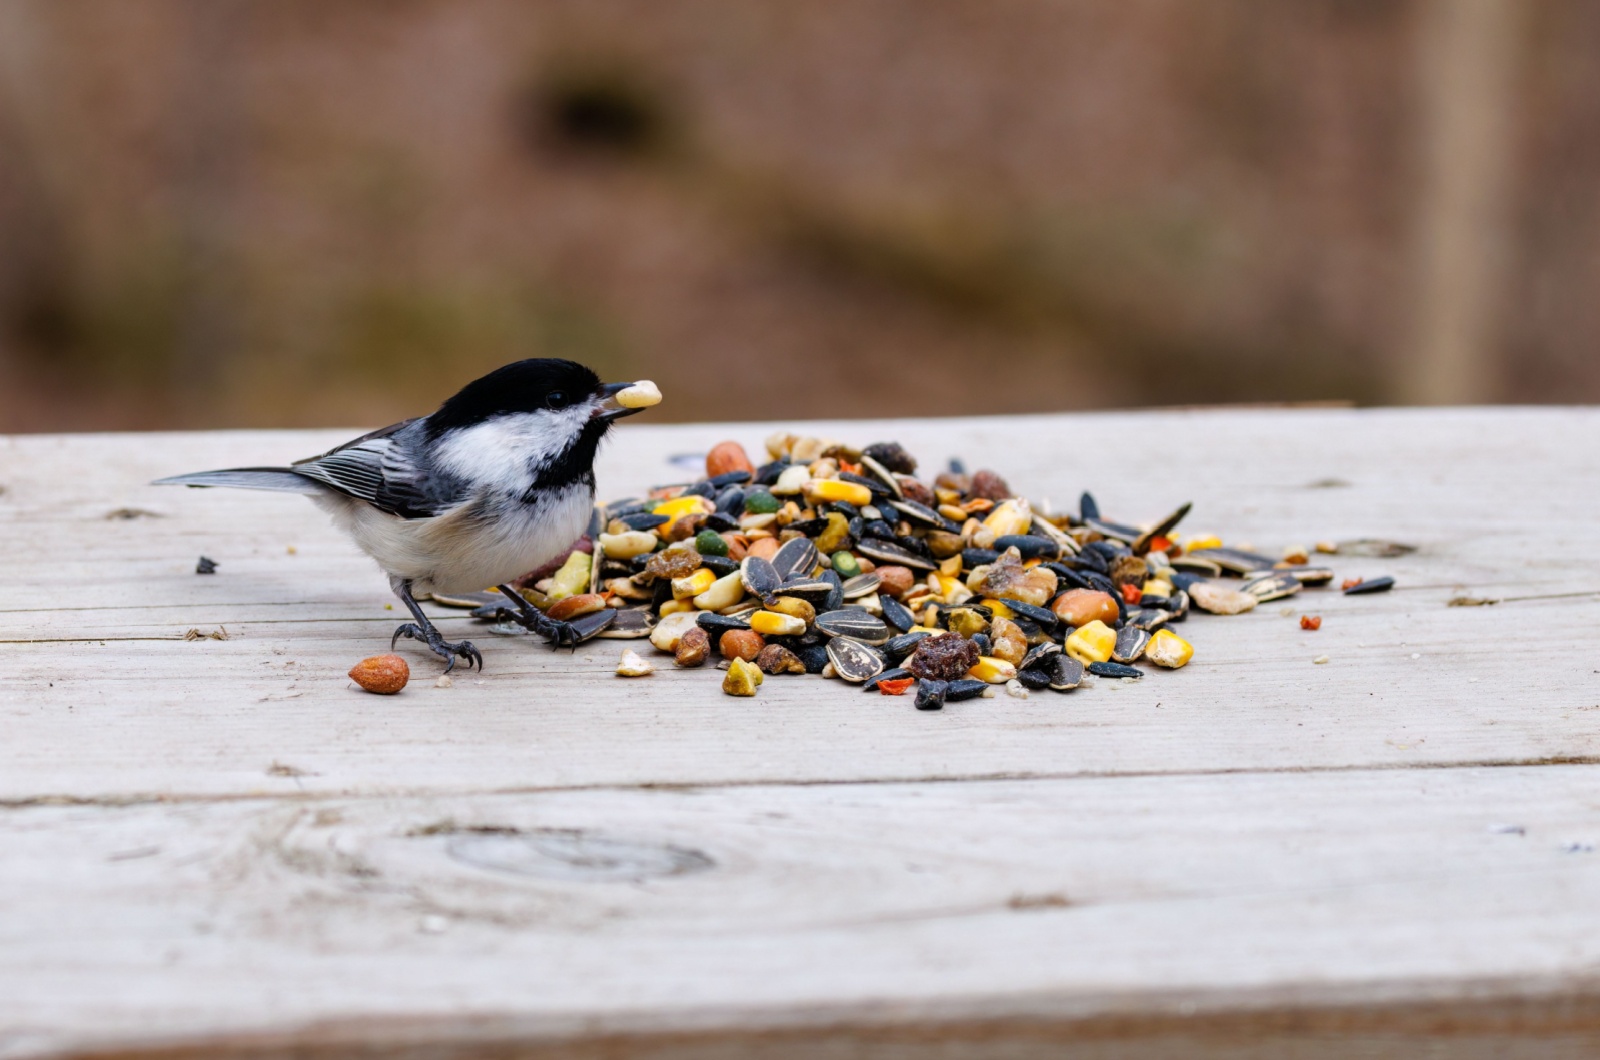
<point x="836" y="561"/>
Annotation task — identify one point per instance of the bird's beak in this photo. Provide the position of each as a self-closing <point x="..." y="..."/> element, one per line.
<point x="624" y="399"/>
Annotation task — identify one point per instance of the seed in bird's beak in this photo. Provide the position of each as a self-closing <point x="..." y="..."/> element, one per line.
<point x="640" y="395"/>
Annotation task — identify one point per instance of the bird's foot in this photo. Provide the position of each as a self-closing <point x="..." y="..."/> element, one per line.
<point x="560" y="634"/>
<point x="444" y="649"/>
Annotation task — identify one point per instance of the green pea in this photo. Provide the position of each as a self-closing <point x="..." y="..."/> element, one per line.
<point x="710" y="543"/>
<point x="760" y="502"/>
<point x="845" y="565"/>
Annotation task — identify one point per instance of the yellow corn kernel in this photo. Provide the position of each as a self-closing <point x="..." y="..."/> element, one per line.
<point x="834" y="537"/>
<point x="995" y="671"/>
<point x="925" y="629"/>
<point x="951" y="568"/>
<point x="673" y="607"/>
<point x="1200" y="541"/>
<point x="833" y="489"/>
<point x="1010" y="517"/>
<point x="724" y="592"/>
<point x="1092" y="643"/>
<point x="573" y="577"/>
<point x="772" y="624"/>
<point x="954" y="513"/>
<point x="692" y="584"/>
<point x="999" y="608"/>
<point x="742" y="678"/>
<point x="1168" y="649"/>
<point x="965" y="621"/>
<point x="795" y="607"/>
<point x="951" y="497"/>
<point x="1157" y="587"/>
<point x="692" y="504"/>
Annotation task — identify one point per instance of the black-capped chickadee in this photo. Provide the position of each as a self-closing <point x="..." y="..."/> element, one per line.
<point x="496" y="483"/>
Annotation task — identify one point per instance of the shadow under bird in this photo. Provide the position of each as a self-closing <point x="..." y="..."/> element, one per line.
<point x="496" y="483"/>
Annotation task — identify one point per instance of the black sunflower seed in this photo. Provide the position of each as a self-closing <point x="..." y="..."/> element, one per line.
<point x="1034" y="679"/>
<point x="887" y="675"/>
<point x="897" y="614"/>
<point x="931" y="694"/>
<point x="897" y="648"/>
<point x="1029" y="546"/>
<point x="964" y="688"/>
<point x="1066" y="673"/>
<point x="717" y="625"/>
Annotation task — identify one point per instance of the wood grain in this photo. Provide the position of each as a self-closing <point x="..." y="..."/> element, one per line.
<point x="1024" y="899"/>
<point x="222" y="846"/>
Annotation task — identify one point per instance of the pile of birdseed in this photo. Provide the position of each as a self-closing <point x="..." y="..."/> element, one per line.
<point x="839" y="561"/>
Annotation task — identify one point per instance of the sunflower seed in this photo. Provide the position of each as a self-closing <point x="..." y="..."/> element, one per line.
<point x="861" y="585"/>
<point x="854" y="624"/>
<point x="854" y="661"/>
<point x="880" y="551"/>
<point x="1131" y="642"/>
<point x="796" y="557"/>
<point x="759" y="577"/>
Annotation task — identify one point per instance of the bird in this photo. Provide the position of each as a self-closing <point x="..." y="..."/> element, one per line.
<point x="497" y="482"/>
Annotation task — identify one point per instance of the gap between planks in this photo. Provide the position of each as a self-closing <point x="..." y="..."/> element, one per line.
<point x="221" y="798"/>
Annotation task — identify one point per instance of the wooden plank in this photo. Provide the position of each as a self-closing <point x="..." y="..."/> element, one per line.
<point x="92" y="608"/>
<point x="1030" y="913"/>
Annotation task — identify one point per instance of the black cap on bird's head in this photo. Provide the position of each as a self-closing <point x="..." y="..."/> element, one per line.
<point x="562" y="401"/>
<point x="535" y="385"/>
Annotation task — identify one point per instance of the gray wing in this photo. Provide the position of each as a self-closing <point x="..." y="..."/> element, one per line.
<point x="381" y="468"/>
<point x="385" y="470"/>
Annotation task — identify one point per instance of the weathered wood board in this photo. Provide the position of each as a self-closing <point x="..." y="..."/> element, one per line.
<point x="224" y="843"/>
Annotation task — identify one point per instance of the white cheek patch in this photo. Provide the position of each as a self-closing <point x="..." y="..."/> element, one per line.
<point x="505" y="452"/>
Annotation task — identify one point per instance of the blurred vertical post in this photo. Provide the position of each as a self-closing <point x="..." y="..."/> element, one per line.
<point x="210" y="115"/>
<point x="1467" y="59"/>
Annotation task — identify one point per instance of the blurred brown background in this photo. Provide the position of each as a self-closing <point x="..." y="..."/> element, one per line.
<point x="302" y="212"/>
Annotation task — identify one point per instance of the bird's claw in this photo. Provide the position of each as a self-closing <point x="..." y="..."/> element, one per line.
<point x="561" y="635"/>
<point x="444" y="649"/>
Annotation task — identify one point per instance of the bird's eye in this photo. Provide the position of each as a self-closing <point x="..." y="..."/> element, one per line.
<point x="556" y="399"/>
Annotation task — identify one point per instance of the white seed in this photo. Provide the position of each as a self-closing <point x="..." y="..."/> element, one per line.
<point x="1016" y="690"/>
<point x="631" y="665"/>
<point x="1319" y="660"/>
<point x="671" y="629"/>
<point x="627" y="545"/>
<point x="640" y="395"/>
<point x="724" y="592"/>
<point x="792" y="481"/>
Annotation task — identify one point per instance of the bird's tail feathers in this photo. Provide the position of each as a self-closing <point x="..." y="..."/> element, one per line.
<point x="281" y="479"/>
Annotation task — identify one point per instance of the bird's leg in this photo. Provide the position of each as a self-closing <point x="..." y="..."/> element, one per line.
<point x="559" y="634"/>
<point x="424" y="630"/>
